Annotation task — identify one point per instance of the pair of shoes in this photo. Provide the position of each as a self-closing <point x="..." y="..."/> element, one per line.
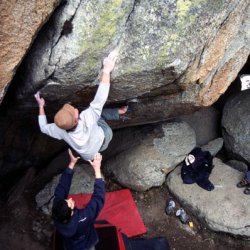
<point x="243" y="183"/>
<point x="170" y="209"/>
<point x="182" y="215"/>
<point x="170" y="206"/>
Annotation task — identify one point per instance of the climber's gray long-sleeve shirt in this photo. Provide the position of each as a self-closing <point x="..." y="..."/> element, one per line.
<point x="88" y="137"/>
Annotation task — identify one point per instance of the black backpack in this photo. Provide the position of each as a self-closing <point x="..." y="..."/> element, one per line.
<point x="203" y="163"/>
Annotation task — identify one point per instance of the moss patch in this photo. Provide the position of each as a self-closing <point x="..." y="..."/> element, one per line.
<point x="96" y="36"/>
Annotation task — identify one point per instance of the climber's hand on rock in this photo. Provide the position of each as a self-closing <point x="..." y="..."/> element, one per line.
<point x="40" y="100"/>
<point x="109" y="61"/>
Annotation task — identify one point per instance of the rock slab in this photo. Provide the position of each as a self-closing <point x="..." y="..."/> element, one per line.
<point x="225" y="209"/>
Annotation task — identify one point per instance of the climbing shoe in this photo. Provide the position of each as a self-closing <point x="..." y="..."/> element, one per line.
<point x="182" y="215"/>
<point x="243" y="183"/>
<point x="170" y="207"/>
<point x="247" y="190"/>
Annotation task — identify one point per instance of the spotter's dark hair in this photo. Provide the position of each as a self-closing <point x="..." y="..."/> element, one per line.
<point x="61" y="212"/>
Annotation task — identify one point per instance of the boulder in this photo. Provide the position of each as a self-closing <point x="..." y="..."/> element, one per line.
<point x="20" y="23"/>
<point x="236" y="126"/>
<point x="213" y="146"/>
<point x="146" y="165"/>
<point x="225" y="209"/>
<point x="174" y="56"/>
<point x="82" y="182"/>
<point x="206" y="124"/>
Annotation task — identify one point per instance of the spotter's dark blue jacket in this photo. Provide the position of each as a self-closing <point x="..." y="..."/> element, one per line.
<point x="79" y="232"/>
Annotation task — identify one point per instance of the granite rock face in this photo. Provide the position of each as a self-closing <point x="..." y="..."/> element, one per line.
<point x="236" y="126"/>
<point x="206" y="124"/>
<point x="174" y="56"/>
<point x="20" y="23"/>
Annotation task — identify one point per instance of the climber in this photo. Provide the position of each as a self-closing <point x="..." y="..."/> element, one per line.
<point x="76" y="226"/>
<point x="87" y="133"/>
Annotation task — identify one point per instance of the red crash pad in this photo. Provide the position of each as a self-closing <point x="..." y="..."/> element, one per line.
<point x="119" y="210"/>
